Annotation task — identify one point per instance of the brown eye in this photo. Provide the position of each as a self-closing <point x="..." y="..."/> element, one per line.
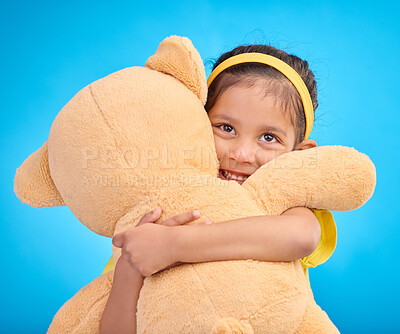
<point x="226" y="128"/>
<point x="267" y="137"/>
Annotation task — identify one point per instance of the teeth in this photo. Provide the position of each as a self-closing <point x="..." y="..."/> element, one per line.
<point x="233" y="177"/>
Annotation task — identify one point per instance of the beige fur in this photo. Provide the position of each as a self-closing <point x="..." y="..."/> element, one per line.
<point x="139" y="139"/>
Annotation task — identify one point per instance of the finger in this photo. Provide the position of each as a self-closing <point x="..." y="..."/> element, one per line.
<point x="202" y="222"/>
<point x="150" y="217"/>
<point x="118" y="240"/>
<point x="182" y="218"/>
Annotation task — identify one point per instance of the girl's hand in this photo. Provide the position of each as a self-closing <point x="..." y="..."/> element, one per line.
<point x="149" y="247"/>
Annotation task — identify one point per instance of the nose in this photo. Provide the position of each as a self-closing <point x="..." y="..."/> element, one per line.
<point x="243" y="152"/>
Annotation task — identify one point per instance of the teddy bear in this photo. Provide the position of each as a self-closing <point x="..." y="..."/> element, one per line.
<point x="140" y="138"/>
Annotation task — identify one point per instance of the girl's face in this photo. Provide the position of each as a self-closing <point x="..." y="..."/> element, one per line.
<point x="249" y="130"/>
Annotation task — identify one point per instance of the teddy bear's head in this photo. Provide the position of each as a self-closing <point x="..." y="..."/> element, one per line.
<point x="122" y="135"/>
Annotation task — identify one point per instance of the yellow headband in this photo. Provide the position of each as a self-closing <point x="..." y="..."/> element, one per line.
<point x="282" y="67"/>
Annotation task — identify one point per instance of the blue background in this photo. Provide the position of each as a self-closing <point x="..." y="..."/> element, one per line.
<point x="50" y="50"/>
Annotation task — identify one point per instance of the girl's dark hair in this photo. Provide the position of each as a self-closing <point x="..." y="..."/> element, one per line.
<point x="249" y="74"/>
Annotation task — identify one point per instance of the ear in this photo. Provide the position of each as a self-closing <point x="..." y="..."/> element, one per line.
<point x="306" y="144"/>
<point x="178" y="57"/>
<point x="33" y="184"/>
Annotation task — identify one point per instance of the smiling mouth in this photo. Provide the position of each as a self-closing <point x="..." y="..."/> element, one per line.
<point x="230" y="175"/>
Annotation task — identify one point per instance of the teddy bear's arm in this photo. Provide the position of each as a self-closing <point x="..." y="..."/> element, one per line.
<point x="326" y="177"/>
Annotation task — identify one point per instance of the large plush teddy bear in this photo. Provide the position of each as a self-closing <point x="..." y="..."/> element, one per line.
<point x="139" y="139"/>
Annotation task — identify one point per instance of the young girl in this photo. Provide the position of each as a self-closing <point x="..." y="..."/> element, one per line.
<point x="260" y="103"/>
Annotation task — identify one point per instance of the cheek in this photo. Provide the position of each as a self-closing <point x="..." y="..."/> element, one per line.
<point x="220" y="147"/>
<point x="264" y="156"/>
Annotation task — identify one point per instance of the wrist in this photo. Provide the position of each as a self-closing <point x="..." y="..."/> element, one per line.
<point x="179" y="237"/>
<point x="125" y="269"/>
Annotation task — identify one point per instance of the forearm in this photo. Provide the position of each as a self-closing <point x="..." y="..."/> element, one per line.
<point x="263" y="238"/>
<point x="120" y="312"/>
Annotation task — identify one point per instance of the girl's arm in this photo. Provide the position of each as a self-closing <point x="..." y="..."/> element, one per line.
<point x="120" y="312"/>
<point x="154" y="247"/>
<point x="119" y="315"/>
<point x="288" y="237"/>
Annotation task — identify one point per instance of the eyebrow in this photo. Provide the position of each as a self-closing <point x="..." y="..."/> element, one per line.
<point x="267" y="128"/>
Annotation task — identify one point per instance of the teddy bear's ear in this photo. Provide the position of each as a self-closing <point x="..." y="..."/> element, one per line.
<point x="178" y="57"/>
<point x="33" y="184"/>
